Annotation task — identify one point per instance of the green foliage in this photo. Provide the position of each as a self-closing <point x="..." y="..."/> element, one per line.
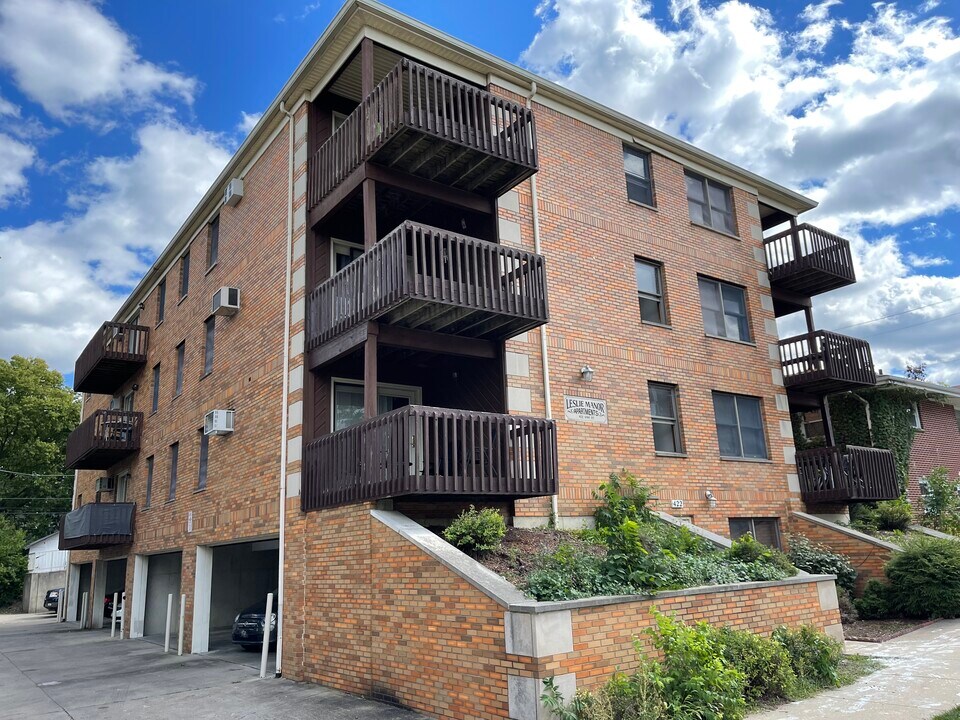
<point x="848" y="611"/>
<point x="621" y="498"/>
<point x="887" y="515"/>
<point x="820" y="560"/>
<point x="764" y="663"/>
<point x="13" y="561"/>
<point x="874" y="604"/>
<point x="37" y="413"/>
<point x="925" y="578"/>
<point x="814" y="657"/>
<point x="476" y="530"/>
<point x="749" y="551"/>
<point x="623" y="697"/>
<point x="567" y="575"/>
<point x="941" y="501"/>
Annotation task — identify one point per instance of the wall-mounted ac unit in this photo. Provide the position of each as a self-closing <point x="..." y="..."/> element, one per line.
<point x="226" y="301"/>
<point x="105" y="484"/>
<point x="233" y="192"/>
<point x="218" y="422"/>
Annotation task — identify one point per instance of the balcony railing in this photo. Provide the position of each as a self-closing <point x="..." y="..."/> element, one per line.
<point x="807" y="261"/>
<point x="103" y="439"/>
<point x="97" y="525"/>
<point x="823" y="362"/>
<point x="421" y="121"/>
<point x="431" y="451"/>
<point x="115" y="353"/>
<point x="857" y="473"/>
<point x="430" y="279"/>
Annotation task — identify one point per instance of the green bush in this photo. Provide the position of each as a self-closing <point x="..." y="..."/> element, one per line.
<point x="621" y="498"/>
<point x="848" y="611"/>
<point x="814" y="657"/>
<point x="477" y="530"/>
<point x="765" y="664"/>
<point x="875" y="602"/>
<point x="894" y="514"/>
<point x="925" y="578"/>
<point x="941" y="501"/>
<point x="568" y="574"/>
<point x="13" y="561"/>
<point x="749" y="551"/>
<point x="820" y="560"/>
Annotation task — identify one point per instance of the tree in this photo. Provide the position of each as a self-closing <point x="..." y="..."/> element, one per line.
<point x="13" y="561"/>
<point x="37" y="413"/>
<point x="916" y="372"/>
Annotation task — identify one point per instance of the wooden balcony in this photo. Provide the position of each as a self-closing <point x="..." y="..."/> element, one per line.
<point x="424" y="278"/>
<point x="97" y="525"/>
<point x="431" y="125"/>
<point x="114" y="354"/>
<point x="822" y="362"/>
<point x="104" y="439"/>
<point x="431" y="451"/>
<point x="858" y="473"/>
<point x="807" y="261"/>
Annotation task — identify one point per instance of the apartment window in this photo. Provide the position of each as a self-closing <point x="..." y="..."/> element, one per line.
<point x="149" y="487"/>
<point x="155" y="401"/>
<point x="204" y="457"/>
<point x="636" y="167"/>
<point x="710" y="203"/>
<point x="161" y="300"/>
<point x="724" y="309"/>
<point x="812" y="425"/>
<point x="667" y="436"/>
<point x="210" y="327"/>
<point x="739" y="426"/>
<point x="181" y="349"/>
<point x="337" y="119"/>
<point x="913" y="410"/>
<point x="649" y="274"/>
<point x="213" y="242"/>
<point x="174" y="457"/>
<point x="765" y="530"/>
<point x="344" y="253"/>
<point x="79" y="500"/>
<point x="185" y="274"/>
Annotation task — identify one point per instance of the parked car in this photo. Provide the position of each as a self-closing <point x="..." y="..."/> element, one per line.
<point x="52" y="600"/>
<point x="248" y="626"/>
<point x="108" y="608"/>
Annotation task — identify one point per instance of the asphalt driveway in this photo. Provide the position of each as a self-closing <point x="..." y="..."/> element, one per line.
<point x="50" y="671"/>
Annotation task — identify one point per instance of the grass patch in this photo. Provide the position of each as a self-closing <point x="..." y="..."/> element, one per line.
<point x="949" y="715"/>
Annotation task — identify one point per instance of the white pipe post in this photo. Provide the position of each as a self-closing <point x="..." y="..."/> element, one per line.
<point x="83" y="612"/>
<point x="183" y="610"/>
<point x="266" y="636"/>
<point x="113" y="615"/>
<point x="123" y="609"/>
<point x="166" y="635"/>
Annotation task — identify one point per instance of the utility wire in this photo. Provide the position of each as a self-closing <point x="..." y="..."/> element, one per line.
<point x="36" y="475"/>
<point x="907" y="327"/>
<point x="897" y="314"/>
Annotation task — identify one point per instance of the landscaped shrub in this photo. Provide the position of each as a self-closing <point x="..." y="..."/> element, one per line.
<point x="874" y="604"/>
<point x="814" y="657"/>
<point x="894" y="514"/>
<point x="568" y="574"/>
<point x="848" y="611"/>
<point x="748" y="551"/>
<point x="621" y="498"/>
<point x="820" y="560"/>
<point x="941" y="501"/>
<point x="476" y="530"/>
<point x="925" y="578"/>
<point x="764" y="662"/>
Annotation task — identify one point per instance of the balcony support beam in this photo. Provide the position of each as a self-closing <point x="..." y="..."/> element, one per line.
<point x="370" y="236"/>
<point x="437" y="343"/>
<point x="370" y="372"/>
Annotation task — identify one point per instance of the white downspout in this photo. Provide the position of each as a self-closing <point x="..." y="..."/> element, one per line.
<point x="286" y="383"/>
<point x="544" y="361"/>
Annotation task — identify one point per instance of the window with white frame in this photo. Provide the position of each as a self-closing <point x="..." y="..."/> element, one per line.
<point x="739" y="421"/>
<point x="913" y="410"/>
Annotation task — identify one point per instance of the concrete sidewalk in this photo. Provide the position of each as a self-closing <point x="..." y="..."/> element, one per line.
<point x="51" y="671"/>
<point x="921" y="679"/>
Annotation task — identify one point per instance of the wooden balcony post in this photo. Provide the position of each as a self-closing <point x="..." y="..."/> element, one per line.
<point x="370" y="372"/>
<point x="369" y="214"/>
<point x="795" y="237"/>
<point x="366" y="67"/>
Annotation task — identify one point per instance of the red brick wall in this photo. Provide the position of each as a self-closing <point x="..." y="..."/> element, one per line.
<point x="937" y="444"/>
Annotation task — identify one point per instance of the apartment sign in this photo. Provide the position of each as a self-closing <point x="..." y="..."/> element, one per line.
<point x="583" y="409"/>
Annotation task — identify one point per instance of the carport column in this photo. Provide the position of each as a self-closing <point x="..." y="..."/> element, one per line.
<point x="99" y="592"/>
<point x="73" y="593"/>
<point x="138" y="603"/>
<point x="202" y="589"/>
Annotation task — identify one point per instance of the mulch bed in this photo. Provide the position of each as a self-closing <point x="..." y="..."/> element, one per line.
<point x="881" y="630"/>
<point x="517" y="556"/>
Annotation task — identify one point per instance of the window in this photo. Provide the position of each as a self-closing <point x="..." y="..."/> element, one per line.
<point x="181" y="349"/>
<point x="337" y="119"/>
<point x="161" y="300"/>
<point x="724" y="309"/>
<point x="344" y="253"/>
<point x="213" y="242"/>
<point x="209" y="330"/>
<point x="636" y="166"/>
<point x="80" y="500"/>
<point x="348" y="400"/>
<point x="204" y="456"/>
<point x="812" y="425"/>
<point x="128" y="401"/>
<point x="155" y="402"/>
<point x="653" y="309"/>
<point x="710" y="203"/>
<point x="184" y="274"/>
<point x="149" y="488"/>
<point x="765" y="530"/>
<point x="913" y="410"/>
<point x="174" y="456"/>
<point x="667" y="437"/>
<point x="739" y="426"/>
<point x="123" y="481"/>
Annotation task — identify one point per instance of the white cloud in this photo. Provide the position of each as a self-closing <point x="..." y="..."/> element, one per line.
<point x="248" y="121"/>
<point x="926" y="261"/>
<point x="871" y="133"/>
<point x="56" y="277"/>
<point x="70" y="58"/>
<point x="8" y="108"/>
<point x="15" y="158"/>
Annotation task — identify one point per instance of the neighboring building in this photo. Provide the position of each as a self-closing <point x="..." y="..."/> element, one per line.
<point x="46" y="570"/>
<point x="440" y="280"/>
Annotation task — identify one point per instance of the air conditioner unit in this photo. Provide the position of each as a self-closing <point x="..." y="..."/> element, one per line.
<point x="218" y="422"/>
<point x="226" y="301"/>
<point x="105" y="484"/>
<point x="233" y="192"/>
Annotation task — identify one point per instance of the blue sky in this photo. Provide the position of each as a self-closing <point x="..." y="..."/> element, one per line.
<point x="115" y="116"/>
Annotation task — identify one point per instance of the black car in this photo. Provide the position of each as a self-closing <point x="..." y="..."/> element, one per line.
<point x="52" y="601"/>
<point x="248" y="626"/>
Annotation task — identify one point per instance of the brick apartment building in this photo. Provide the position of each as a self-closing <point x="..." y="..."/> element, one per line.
<point x="429" y="278"/>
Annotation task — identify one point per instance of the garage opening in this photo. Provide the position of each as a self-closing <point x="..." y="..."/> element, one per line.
<point x="163" y="578"/>
<point x="115" y="582"/>
<point x="240" y="577"/>
<point x="79" y="583"/>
